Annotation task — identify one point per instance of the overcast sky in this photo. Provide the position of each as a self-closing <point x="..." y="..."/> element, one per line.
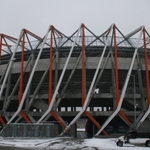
<point x="67" y="15"/>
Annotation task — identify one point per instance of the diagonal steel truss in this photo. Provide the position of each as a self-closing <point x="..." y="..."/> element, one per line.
<point x="56" y="41"/>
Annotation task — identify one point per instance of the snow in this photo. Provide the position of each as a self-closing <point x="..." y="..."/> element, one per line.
<point x="68" y="143"/>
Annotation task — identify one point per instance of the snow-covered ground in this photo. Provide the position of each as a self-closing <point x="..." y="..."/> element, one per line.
<point x="67" y="143"/>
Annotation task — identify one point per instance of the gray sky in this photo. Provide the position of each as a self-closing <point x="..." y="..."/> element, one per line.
<point x="67" y="15"/>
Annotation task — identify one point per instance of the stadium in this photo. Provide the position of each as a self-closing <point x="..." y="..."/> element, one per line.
<point x="96" y="82"/>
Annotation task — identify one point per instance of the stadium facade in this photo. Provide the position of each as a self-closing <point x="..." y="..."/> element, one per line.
<point x="102" y="79"/>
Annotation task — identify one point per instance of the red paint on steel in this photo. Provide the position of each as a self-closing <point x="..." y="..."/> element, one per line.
<point x="83" y="80"/>
<point x="22" y="76"/>
<point x="50" y="78"/>
<point x="116" y="67"/>
<point x="51" y="66"/>
<point x="59" y="34"/>
<point x="9" y="37"/>
<point x="2" y="121"/>
<point x="22" y="68"/>
<point x="57" y="118"/>
<point x="146" y="69"/>
<point x="25" y="117"/>
<point x="117" y="77"/>
<point x="36" y="36"/>
<point x="1" y="44"/>
<point x="125" y="118"/>
<point x="94" y="121"/>
<point x="59" y="121"/>
<point x="6" y="45"/>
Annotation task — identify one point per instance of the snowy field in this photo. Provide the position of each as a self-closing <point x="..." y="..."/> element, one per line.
<point x="66" y="143"/>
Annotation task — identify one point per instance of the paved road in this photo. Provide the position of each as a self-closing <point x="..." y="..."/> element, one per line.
<point x="67" y="143"/>
<point x="10" y="148"/>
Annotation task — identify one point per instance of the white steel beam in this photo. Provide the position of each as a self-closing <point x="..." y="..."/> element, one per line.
<point x="148" y="110"/>
<point x="123" y="91"/>
<point x="30" y="79"/>
<point x="60" y="80"/>
<point x="133" y="32"/>
<point x="91" y="87"/>
<point x="143" y="118"/>
<point x="15" y="87"/>
<point x="38" y="87"/>
<point x="10" y="64"/>
<point x="65" y="87"/>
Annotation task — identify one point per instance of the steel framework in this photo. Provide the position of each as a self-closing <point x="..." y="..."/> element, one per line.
<point x="42" y="76"/>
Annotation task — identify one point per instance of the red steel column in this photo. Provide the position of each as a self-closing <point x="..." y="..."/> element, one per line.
<point x="51" y="78"/>
<point x="124" y="117"/>
<point x="83" y="81"/>
<point x="2" y="121"/>
<point x="22" y="68"/>
<point x="146" y="70"/>
<point x="22" y="76"/>
<point x="51" y="66"/>
<point x="57" y="118"/>
<point x="117" y="77"/>
<point x="116" y="67"/>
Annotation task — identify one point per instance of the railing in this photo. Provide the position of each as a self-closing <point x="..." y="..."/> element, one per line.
<point x="43" y="130"/>
<point x="31" y="130"/>
<point x="89" y="41"/>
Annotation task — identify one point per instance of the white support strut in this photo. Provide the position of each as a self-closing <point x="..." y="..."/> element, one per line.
<point x="91" y="87"/>
<point x="123" y="91"/>
<point x="30" y="79"/>
<point x="10" y="64"/>
<point x="60" y="80"/>
<point x="144" y="117"/>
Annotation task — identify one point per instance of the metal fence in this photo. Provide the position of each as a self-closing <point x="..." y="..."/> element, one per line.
<point x="34" y="130"/>
<point x="31" y="130"/>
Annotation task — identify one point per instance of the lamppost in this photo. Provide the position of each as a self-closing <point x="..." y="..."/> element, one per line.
<point x="135" y="93"/>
